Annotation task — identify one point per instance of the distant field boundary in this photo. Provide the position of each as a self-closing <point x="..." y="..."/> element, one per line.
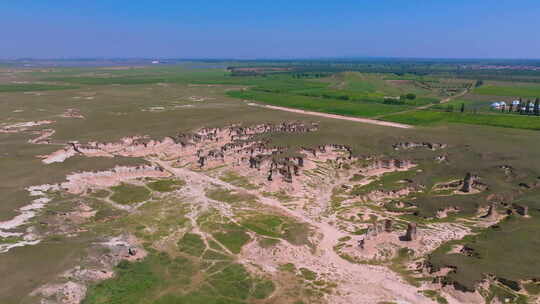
<point x="335" y="116"/>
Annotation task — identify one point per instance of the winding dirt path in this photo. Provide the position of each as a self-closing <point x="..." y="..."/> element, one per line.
<point x="335" y="116"/>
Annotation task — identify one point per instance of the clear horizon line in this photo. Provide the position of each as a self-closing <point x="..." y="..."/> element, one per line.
<point x="259" y="58"/>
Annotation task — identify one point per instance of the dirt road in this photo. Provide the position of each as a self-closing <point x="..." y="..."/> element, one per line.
<point x="356" y="119"/>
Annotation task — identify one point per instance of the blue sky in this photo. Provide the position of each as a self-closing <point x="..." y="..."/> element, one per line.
<point x="270" y="28"/>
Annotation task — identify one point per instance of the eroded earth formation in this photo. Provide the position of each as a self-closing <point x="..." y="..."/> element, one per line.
<point x="308" y="219"/>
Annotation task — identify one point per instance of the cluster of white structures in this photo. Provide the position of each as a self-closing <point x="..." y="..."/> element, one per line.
<point x="515" y="105"/>
<point x="503" y="104"/>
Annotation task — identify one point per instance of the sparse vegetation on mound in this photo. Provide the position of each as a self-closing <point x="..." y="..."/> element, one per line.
<point x="166" y="185"/>
<point x="129" y="194"/>
<point x="191" y="244"/>
<point x="232" y="236"/>
<point x="492" y="251"/>
<point x="388" y="181"/>
<point x="240" y="181"/>
<point x="278" y="227"/>
<point x="162" y="279"/>
<point x="231" y="197"/>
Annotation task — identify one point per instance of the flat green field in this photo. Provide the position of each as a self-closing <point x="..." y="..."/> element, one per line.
<point x="33" y="87"/>
<point x="334" y="106"/>
<point x="131" y="76"/>
<point x="526" y="91"/>
<point x="428" y="117"/>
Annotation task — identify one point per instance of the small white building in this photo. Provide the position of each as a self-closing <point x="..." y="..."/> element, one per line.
<point x="498" y="105"/>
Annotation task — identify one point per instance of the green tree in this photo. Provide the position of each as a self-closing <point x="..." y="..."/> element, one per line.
<point x="478" y="83"/>
<point x="528" y="107"/>
<point x="410" y="96"/>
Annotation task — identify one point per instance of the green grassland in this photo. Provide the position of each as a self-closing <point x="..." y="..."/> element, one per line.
<point x="232" y="236"/>
<point x="319" y="105"/>
<point x="527" y="91"/>
<point x="472" y="104"/>
<point x="278" y="227"/>
<point x="481" y="97"/>
<point x="165" y="280"/>
<point x="354" y="87"/>
<point x="4" y="88"/>
<point x="43" y="262"/>
<point x="351" y="94"/>
<point x="166" y="185"/>
<point x="388" y="181"/>
<point x="126" y="194"/>
<point x="363" y="88"/>
<point x="355" y="94"/>
<point x="21" y="169"/>
<point x="491" y="252"/>
<point x="135" y="76"/>
<point x="430" y="117"/>
<point x="191" y="271"/>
